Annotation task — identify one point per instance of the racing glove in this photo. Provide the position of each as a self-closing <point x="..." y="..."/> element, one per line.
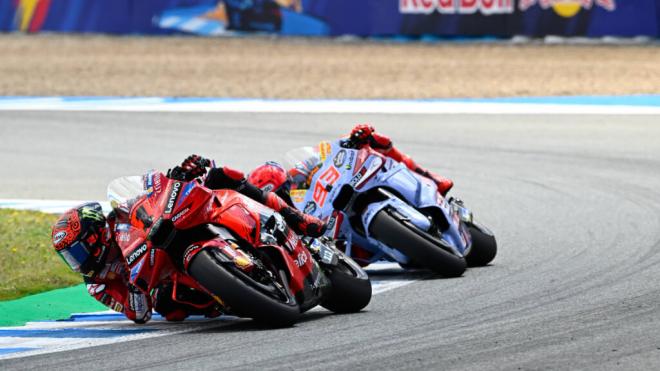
<point x="192" y="167"/>
<point x="361" y="133"/>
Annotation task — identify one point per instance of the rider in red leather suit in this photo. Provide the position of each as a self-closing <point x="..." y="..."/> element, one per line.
<point x="85" y="239"/>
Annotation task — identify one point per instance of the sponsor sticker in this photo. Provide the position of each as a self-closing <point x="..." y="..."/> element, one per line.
<point x="340" y="158"/>
<point x="180" y="214"/>
<point x="136" y="254"/>
<point x="188" y="254"/>
<point x="298" y="195"/>
<point x="301" y="259"/>
<point x="356" y="179"/>
<point x="351" y="159"/>
<point x="176" y="187"/>
<point x="324" y="150"/>
<point x="310" y="207"/>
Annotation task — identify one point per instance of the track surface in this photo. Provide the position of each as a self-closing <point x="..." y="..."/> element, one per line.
<point x="574" y="202"/>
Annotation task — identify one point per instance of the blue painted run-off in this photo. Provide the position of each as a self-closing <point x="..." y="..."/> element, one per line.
<point x="649" y="100"/>
<point x="4" y="351"/>
<point x="79" y="333"/>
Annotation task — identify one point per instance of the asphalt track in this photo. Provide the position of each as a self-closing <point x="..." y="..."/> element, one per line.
<point x="574" y="201"/>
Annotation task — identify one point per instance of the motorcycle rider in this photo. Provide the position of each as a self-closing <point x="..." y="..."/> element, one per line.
<point x="273" y="177"/>
<point x="85" y="239"/>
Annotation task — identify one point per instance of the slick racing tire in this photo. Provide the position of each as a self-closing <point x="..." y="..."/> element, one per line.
<point x="421" y="247"/>
<point x="351" y="287"/>
<point x="484" y="246"/>
<point x="244" y="298"/>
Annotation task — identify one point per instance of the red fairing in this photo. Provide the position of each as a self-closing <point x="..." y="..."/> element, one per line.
<point x="189" y="204"/>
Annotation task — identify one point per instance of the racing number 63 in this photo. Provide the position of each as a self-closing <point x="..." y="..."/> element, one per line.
<point x="329" y="176"/>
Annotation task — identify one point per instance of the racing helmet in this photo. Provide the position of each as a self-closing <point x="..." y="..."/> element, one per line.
<point x="81" y="237"/>
<point x="303" y="163"/>
<point x="270" y="177"/>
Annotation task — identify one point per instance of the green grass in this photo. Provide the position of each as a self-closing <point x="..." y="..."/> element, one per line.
<point x="28" y="261"/>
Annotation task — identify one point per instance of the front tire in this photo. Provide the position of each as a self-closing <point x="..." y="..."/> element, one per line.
<point x="351" y="287"/>
<point x="244" y="299"/>
<point x="419" y="246"/>
<point x="484" y="246"/>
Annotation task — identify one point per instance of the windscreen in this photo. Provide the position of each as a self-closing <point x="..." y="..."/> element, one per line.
<point x="125" y="188"/>
<point x="303" y="158"/>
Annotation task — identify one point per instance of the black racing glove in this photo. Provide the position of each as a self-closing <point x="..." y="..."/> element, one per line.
<point x="192" y="167"/>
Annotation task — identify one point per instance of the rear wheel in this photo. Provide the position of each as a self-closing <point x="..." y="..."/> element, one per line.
<point x="351" y="288"/>
<point x="422" y="248"/>
<point x="484" y="246"/>
<point x="268" y="302"/>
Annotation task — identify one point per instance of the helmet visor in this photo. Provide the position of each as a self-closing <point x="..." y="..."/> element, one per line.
<point x="76" y="255"/>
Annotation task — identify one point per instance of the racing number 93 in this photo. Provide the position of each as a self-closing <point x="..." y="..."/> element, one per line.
<point x="329" y="177"/>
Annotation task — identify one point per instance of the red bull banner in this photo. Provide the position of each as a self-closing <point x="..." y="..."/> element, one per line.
<point x="503" y="18"/>
<point x="380" y="18"/>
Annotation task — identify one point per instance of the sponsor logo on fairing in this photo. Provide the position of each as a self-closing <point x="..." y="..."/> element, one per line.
<point x="180" y="214"/>
<point x="351" y="158"/>
<point x="133" y="256"/>
<point x="485" y="7"/>
<point x="152" y="257"/>
<point x="188" y="254"/>
<point x="340" y="158"/>
<point x="135" y="270"/>
<point x="123" y="237"/>
<point x="356" y="179"/>
<point x="176" y="187"/>
<point x="301" y="259"/>
<point x="310" y="207"/>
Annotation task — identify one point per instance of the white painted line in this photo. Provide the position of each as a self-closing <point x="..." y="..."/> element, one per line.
<point x="59" y="336"/>
<point x="316" y="106"/>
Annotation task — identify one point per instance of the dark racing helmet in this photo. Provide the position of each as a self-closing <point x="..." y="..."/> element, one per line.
<point x="81" y="237"/>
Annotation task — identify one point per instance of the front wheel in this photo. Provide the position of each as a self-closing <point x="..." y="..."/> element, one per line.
<point x="484" y="246"/>
<point x="350" y="286"/>
<point x="422" y="248"/>
<point x="269" y="303"/>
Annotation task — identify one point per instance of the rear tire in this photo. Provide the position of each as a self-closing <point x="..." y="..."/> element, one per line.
<point x="484" y="247"/>
<point x="422" y="248"/>
<point x="243" y="299"/>
<point x="351" y="287"/>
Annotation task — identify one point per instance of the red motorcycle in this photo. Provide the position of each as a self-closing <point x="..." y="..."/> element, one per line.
<point x="235" y="250"/>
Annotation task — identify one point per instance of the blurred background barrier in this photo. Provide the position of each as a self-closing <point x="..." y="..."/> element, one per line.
<point x="441" y="18"/>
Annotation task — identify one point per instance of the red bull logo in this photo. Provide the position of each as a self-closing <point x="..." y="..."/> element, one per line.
<point x="568" y="8"/>
<point x="486" y="7"/>
<point x="30" y="14"/>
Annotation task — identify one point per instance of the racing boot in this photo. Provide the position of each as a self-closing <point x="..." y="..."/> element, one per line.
<point x="300" y="222"/>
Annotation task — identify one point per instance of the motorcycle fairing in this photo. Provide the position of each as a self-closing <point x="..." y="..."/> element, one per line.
<point x="365" y="170"/>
